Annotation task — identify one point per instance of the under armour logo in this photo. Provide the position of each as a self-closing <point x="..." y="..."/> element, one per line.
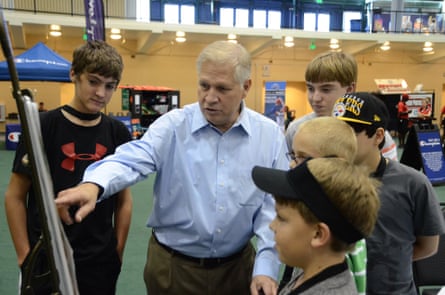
<point x="69" y="150"/>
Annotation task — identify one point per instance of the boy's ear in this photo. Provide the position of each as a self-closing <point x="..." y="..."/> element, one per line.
<point x="322" y="235"/>
<point x="351" y="87"/>
<point x="379" y="135"/>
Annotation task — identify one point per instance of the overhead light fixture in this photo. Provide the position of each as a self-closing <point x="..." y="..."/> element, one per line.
<point x="232" y="38"/>
<point x="385" y="46"/>
<point x="334" y="44"/>
<point x="289" y="41"/>
<point x="428" y="46"/>
<point x="115" y="34"/>
<point x="180" y="37"/>
<point x="55" y="31"/>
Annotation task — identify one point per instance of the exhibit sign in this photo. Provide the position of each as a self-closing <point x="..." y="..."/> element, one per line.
<point x="432" y="155"/>
<point x="275" y="101"/>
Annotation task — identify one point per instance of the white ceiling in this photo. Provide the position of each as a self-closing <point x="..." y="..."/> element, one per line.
<point x="158" y="38"/>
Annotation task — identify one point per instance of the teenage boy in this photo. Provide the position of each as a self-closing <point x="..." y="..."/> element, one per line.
<point x="74" y="136"/>
<point x="319" y="222"/>
<point x="410" y="220"/>
<point x="329" y="76"/>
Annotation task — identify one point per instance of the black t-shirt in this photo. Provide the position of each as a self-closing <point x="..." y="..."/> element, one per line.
<point x="70" y="149"/>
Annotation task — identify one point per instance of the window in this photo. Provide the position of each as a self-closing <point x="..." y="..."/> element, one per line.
<point x="171" y="14"/>
<point x="309" y="20"/>
<point x="316" y="22"/>
<point x="143" y="10"/>
<point x="187" y="14"/>
<point x="274" y="20"/>
<point x="242" y="18"/>
<point x="226" y="17"/>
<point x="323" y="22"/>
<point x="259" y="19"/>
<point x="173" y="11"/>
<point x="347" y="17"/>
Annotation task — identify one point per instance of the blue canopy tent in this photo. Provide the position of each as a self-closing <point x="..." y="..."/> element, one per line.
<point x="39" y="63"/>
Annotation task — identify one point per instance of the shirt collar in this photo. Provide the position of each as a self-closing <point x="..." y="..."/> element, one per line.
<point x="242" y="122"/>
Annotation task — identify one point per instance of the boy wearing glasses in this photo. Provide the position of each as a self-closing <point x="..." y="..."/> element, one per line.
<point x="329" y="137"/>
<point x="409" y="221"/>
<point x="329" y="76"/>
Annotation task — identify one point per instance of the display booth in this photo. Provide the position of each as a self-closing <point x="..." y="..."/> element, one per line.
<point x="147" y="103"/>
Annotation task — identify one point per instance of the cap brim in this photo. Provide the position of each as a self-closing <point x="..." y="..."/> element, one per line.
<point x="354" y="120"/>
<point x="273" y="181"/>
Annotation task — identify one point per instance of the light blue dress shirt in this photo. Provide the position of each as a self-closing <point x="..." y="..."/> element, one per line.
<point x="205" y="202"/>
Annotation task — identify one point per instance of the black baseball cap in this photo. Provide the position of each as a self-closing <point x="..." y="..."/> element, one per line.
<point x="299" y="184"/>
<point x="363" y="108"/>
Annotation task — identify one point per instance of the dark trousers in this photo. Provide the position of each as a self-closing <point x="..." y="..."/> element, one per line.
<point x="166" y="273"/>
<point x="92" y="279"/>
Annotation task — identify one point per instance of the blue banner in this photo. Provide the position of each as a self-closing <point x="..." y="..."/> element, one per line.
<point x="432" y="155"/>
<point x="94" y="13"/>
<point x="275" y="101"/>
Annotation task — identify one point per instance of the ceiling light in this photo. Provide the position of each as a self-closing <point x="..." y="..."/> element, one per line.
<point x="334" y="44"/>
<point x="232" y="38"/>
<point x="55" y="31"/>
<point x="428" y="46"/>
<point x="385" y="46"/>
<point x="180" y="37"/>
<point x="115" y="34"/>
<point x="289" y="41"/>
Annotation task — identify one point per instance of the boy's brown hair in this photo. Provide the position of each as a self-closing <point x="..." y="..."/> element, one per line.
<point x="348" y="188"/>
<point x="97" y="57"/>
<point x="332" y="66"/>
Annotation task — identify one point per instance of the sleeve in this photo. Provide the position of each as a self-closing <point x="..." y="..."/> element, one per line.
<point x="267" y="261"/>
<point x="428" y="218"/>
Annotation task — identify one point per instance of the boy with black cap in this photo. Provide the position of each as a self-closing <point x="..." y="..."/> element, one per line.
<point x="318" y="222"/>
<point x="410" y="220"/>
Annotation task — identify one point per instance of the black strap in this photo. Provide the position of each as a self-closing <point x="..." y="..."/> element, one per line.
<point x="287" y="276"/>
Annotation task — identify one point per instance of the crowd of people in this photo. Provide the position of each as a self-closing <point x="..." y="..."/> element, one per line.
<point x="327" y="198"/>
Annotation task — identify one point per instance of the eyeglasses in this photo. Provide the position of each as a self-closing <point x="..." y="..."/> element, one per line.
<point x="291" y="156"/>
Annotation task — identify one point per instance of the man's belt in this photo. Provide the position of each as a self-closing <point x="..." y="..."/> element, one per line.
<point x="203" y="262"/>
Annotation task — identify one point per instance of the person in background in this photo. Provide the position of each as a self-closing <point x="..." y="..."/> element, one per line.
<point x="403" y="116"/>
<point x="206" y="208"/>
<point x="42" y="107"/>
<point x="426" y="109"/>
<point x="329" y="137"/>
<point x="329" y="76"/>
<point x="410" y="220"/>
<point x="290" y="116"/>
<point x="74" y="136"/>
<point x="319" y="222"/>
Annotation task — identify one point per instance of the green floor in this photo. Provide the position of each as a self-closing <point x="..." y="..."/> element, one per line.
<point x="130" y="281"/>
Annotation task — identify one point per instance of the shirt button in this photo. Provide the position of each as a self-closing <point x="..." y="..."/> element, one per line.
<point x="218" y="230"/>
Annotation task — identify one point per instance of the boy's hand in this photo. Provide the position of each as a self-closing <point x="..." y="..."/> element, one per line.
<point x="84" y="196"/>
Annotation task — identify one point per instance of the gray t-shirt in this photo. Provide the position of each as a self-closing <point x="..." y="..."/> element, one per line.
<point x="409" y="208"/>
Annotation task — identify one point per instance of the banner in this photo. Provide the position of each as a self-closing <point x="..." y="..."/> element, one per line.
<point x="94" y="13"/>
<point x="423" y="151"/>
<point x="275" y="101"/>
